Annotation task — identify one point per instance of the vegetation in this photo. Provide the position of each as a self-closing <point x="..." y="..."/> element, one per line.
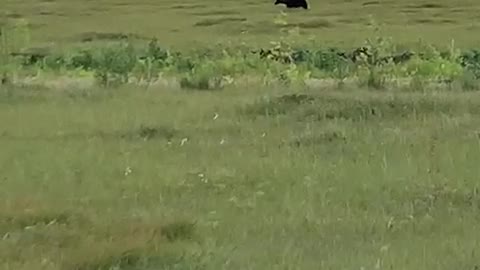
<point x="191" y="23"/>
<point x="376" y="64"/>
<point x="294" y="154"/>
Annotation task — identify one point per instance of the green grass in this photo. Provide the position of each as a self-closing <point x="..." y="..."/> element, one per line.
<point x="238" y="179"/>
<point x="182" y="24"/>
<point x="264" y="173"/>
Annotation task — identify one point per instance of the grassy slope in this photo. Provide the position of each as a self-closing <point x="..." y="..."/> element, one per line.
<point x="289" y="191"/>
<point x="180" y="24"/>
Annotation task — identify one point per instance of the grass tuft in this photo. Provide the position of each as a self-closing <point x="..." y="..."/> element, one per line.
<point x="179" y="230"/>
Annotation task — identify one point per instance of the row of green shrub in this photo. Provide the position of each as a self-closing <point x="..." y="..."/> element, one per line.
<point x="206" y="68"/>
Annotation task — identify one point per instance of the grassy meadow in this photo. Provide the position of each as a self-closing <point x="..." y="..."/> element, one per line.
<point x="318" y="163"/>
<point x="186" y="23"/>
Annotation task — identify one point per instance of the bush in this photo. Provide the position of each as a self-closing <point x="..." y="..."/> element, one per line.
<point x="375" y="63"/>
<point x="114" y="63"/>
<point x="470" y="60"/>
<point x="205" y="76"/>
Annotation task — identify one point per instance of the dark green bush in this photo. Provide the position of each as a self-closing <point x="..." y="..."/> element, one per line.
<point x="83" y="59"/>
<point x="470" y="60"/>
<point x="115" y="62"/>
<point x="208" y="68"/>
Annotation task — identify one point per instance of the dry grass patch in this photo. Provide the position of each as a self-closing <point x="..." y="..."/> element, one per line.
<point x="64" y="239"/>
<point x="218" y="21"/>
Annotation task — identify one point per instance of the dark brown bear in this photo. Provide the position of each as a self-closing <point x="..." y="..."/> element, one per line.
<point x="293" y="3"/>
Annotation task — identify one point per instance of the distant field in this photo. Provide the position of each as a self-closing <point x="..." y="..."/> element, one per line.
<point x="184" y="22"/>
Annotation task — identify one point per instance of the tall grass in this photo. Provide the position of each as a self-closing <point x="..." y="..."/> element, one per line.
<point x="261" y="178"/>
<point x="265" y="177"/>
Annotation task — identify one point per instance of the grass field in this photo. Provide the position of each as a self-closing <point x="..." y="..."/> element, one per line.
<point x="248" y="176"/>
<point x="86" y="178"/>
<point x="185" y="23"/>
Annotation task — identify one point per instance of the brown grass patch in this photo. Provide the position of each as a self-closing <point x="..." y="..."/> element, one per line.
<point x="33" y="231"/>
<point x="106" y="36"/>
<point x="218" y="21"/>
<point x="188" y="6"/>
<point x="215" y="12"/>
<point x="427" y="6"/>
